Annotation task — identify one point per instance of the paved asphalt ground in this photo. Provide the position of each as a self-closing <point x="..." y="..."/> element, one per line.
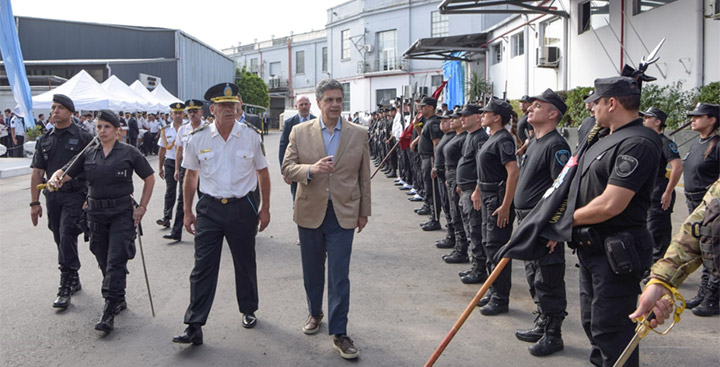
<point x="404" y="300"/>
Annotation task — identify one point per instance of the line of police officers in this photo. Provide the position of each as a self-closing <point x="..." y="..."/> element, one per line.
<point x="624" y="196"/>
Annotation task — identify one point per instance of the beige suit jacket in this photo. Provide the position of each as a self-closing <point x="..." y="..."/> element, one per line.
<point x="349" y="183"/>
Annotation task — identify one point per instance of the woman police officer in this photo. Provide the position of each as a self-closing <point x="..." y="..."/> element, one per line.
<point x="108" y="167"/>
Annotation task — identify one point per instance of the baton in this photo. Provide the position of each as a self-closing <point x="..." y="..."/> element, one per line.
<point x="385" y="159"/>
<point x="42" y="186"/>
<point x="680" y="128"/>
<point x="142" y="256"/>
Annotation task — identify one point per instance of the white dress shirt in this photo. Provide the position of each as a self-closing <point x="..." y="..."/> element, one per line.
<point x="169" y="141"/>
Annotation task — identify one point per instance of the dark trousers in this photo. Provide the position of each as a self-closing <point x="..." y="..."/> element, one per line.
<point x="393" y="160"/>
<point x="132" y="140"/>
<point x="63" y="213"/>
<point x="659" y="222"/>
<point x="546" y="278"/>
<point x="236" y="222"/>
<point x="170" y="188"/>
<point x="494" y="237"/>
<point x="177" y="228"/>
<point x="418" y="184"/>
<point x="112" y="236"/>
<point x="432" y="194"/>
<point x="461" y="244"/>
<point x="19" y="149"/>
<point x="7" y="142"/>
<point x="472" y="220"/>
<point x="605" y="301"/>
<point x="335" y="242"/>
<point x="444" y="202"/>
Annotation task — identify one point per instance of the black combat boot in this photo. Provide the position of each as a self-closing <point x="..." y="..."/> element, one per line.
<point x="551" y="341"/>
<point x="709" y="305"/>
<point x="64" y="291"/>
<point x="485" y="300"/>
<point x="107" y="321"/>
<point x="534" y="334"/>
<point x="447" y="242"/>
<point x="192" y="335"/>
<point x="75" y="282"/>
<point x="456" y="257"/>
<point x="699" y="297"/>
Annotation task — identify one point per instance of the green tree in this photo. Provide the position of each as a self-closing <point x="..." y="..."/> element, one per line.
<point x="478" y="88"/>
<point x="252" y="88"/>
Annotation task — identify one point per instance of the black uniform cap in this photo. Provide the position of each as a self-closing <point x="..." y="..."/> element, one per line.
<point x="428" y="101"/>
<point x="655" y="112"/>
<point x="177" y="106"/>
<point x="551" y="97"/>
<point x="525" y="98"/>
<point x="500" y="107"/>
<point x="471" y="109"/>
<point x="194" y="104"/>
<point x="223" y="92"/>
<point x="65" y="101"/>
<point x="109" y="116"/>
<point x="617" y="86"/>
<point x="703" y="109"/>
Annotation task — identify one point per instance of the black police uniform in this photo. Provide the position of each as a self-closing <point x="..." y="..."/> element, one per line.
<point x="542" y="162"/>
<point x="430" y="131"/>
<point x="416" y="160"/>
<point x="524" y="128"/>
<point x="133" y="132"/>
<point x="440" y="179"/>
<point x="606" y="297"/>
<point x="659" y="221"/>
<point x="471" y="218"/>
<point x="110" y="210"/>
<point x="452" y="151"/>
<point x="53" y="150"/>
<point x="492" y="178"/>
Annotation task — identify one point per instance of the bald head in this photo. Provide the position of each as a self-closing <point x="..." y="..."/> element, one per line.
<point x="303" y="106"/>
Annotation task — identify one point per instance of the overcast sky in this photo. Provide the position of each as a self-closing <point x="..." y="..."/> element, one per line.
<point x="219" y="23"/>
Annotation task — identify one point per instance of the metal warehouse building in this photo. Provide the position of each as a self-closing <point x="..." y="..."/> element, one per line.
<point x="55" y="50"/>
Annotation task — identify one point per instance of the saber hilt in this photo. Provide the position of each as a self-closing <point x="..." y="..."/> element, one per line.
<point x="50" y="187"/>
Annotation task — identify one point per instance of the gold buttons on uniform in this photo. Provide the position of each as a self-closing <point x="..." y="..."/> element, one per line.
<point x="224" y="201"/>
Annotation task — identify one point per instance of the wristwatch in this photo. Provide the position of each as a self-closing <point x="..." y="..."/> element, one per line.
<point x="33" y="203"/>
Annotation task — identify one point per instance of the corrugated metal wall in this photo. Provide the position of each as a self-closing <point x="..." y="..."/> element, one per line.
<point x="199" y="67"/>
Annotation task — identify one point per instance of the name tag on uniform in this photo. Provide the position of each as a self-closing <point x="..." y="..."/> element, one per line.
<point x="205" y="150"/>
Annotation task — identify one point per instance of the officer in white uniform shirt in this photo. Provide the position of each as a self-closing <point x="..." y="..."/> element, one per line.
<point x="229" y="161"/>
<point x="166" y="169"/>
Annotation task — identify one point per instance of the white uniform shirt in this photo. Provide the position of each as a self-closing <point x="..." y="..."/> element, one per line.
<point x="184" y="134"/>
<point x="169" y="141"/>
<point x="154" y="126"/>
<point x="397" y="126"/>
<point x="229" y="168"/>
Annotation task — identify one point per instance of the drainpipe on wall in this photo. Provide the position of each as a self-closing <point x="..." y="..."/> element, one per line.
<point x="566" y="45"/>
<point x="622" y="35"/>
<point x="700" y="78"/>
<point x="292" y="92"/>
<point x="526" y="42"/>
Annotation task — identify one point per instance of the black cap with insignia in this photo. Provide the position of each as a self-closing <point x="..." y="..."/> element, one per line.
<point x="428" y="101"/>
<point x="223" y="92"/>
<point x="500" y="107"/>
<point x="655" y="112"/>
<point x="703" y="109"/>
<point x="177" y="107"/>
<point x="65" y="101"/>
<point x="109" y="116"/>
<point x="471" y="109"/>
<point x="194" y="104"/>
<point x="551" y="97"/>
<point x="616" y="86"/>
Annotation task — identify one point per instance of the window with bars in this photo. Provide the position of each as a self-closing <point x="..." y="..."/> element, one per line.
<point x="254" y="68"/>
<point x="439" y="25"/>
<point x="497" y="53"/>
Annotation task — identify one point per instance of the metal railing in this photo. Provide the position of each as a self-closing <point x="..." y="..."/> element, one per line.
<point x="382" y="64"/>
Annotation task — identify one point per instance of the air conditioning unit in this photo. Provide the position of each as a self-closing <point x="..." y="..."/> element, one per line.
<point x="547" y="56"/>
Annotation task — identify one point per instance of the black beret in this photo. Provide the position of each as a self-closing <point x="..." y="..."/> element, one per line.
<point x="65" y="101"/>
<point x="193" y="104"/>
<point x="109" y="116"/>
<point x="551" y="97"/>
<point x="223" y="92"/>
<point x="617" y="86"/>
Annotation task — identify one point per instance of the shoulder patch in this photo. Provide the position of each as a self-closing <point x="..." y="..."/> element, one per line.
<point x="508" y="147"/>
<point x="253" y="127"/>
<point x="562" y="156"/>
<point x="673" y="147"/>
<point x="625" y="165"/>
<point x="200" y="128"/>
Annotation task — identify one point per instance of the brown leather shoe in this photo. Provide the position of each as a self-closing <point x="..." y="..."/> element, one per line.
<point x="312" y="325"/>
<point x="345" y="346"/>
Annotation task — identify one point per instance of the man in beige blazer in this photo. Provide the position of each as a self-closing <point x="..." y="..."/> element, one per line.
<point x="329" y="159"/>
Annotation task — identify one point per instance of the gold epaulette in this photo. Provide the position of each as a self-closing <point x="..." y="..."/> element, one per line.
<point x="200" y="128"/>
<point x="253" y="127"/>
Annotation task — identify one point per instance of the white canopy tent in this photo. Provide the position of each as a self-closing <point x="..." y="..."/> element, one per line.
<point x="163" y="95"/>
<point x="140" y="89"/>
<point x="133" y="101"/>
<point x="85" y="92"/>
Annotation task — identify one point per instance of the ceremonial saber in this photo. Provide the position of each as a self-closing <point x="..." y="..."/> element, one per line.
<point x="468" y="310"/>
<point x="42" y="186"/>
<point x="385" y="159"/>
<point x="142" y="257"/>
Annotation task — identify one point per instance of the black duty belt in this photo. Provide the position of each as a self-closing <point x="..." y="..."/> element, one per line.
<point x="491" y="186"/>
<point x="695" y="196"/>
<point x="466" y="187"/>
<point x="426" y="155"/>
<point x="450" y="167"/>
<point x="109" y="203"/>
<point x="73" y="185"/>
<point x="222" y="200"/>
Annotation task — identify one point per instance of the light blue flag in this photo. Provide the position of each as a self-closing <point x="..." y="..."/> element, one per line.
<point x="455" y="88"/>
<point x="13" y="62"/>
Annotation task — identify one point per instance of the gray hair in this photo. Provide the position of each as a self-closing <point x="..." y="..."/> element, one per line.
<point x="327" y="84"/>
